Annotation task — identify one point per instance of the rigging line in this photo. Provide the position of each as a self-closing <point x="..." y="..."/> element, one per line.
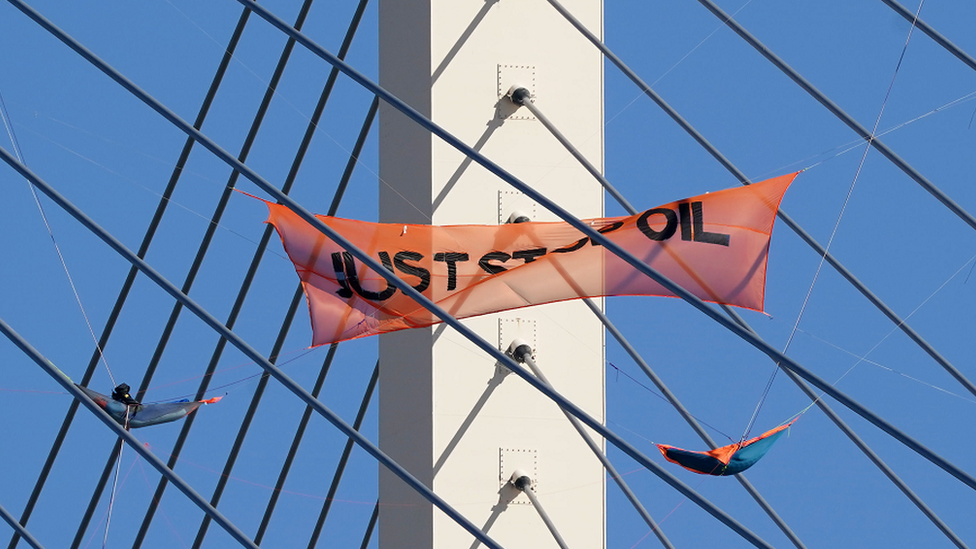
<point x="737" y="173"/>
<point x="307" y="351"/>
<point x="113" y="317"/>
<point x="161" y="196"/>
<point x="165" y="517"/>
<point x="856" y="143"/>
<point x="129" y="439"/>
<point x="840" y="114"/>
<point x="833" y="232"/>
<point x="125" y="479"/>
<point x="665" y="399"/>
<point x="376" y="266"/>
<point x="888" y="369"/>
<point x="524" y="99"/>
<point x="299" y="391"/>
<point x="40" y="208"/>
<point x="304" y="351"/>
<point x="248" y="417"/>
<point x="269" y="488"/>
<point x="932" y="33"/>
<point x="313" y="120"/>
<point x="861" y="445"/>
<point x="115" y="483"/>
<point x="915" y="310"/>
<point x="266" y="237"/>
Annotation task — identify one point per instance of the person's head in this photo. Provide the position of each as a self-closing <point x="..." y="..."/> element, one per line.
<point x="122" y="389"/>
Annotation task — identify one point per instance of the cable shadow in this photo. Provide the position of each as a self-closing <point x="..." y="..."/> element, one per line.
<point x="493" y="383"/>
<point x="478" y="18"/>
<point x="493" y="124"/>
<point x="505" y="496"/>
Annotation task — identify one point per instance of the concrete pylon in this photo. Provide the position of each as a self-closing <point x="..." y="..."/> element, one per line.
<point x="448" y="413"/>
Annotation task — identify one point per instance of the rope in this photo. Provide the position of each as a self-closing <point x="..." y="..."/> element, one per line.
<point x="833" y="233"/>
<point x="115" y="482"/>
<point x="20" y="157"/>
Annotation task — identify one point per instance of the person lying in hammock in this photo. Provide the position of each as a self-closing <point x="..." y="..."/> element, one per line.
<point x="132" y="414"/>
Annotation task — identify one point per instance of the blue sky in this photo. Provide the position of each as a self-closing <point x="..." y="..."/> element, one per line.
<point x="112" y="156"/>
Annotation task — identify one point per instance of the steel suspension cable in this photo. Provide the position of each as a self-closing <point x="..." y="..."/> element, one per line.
<point x="344" y="458"/>
<point x="266" y="237"/>
<point x="524" y="100"/>
<point x="252" y="408"/>
<point x="426" y="303"/>
<point x="246" y="349"/>
<point x="846" y="119"/>
<point x="369" y="527"/>
<point x="129" y="439"/>
<point x="202" y="250"/>
<point x="413" y="294"/>
<point x="820" y="251"/>
<point x="133" y="271"/>
<point x="522" y="353"/>
<point x="286" y="324"/>
<point x="560" y="212"/>
<point x="932" y="33"/>
<point x="295" y="444"/>
<point x="373" y="264"/>
<point x="793" y="225"/>
<point x="19" y="529"/>
<point x="861" y="445"/>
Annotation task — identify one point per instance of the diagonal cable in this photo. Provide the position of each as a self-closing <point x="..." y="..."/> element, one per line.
<point x="523" y="100"/>
<point x="933" y="34"/>
<point x="130" y="278"/>
<point x="793" y="225"/>
<point x="296" y="300"/>
<point x="252" y="354"/>
<point x="201" y="255"/>
<point x="845" y="118"/>
<point x="344" y="458"/>
<point x="660" y="384"/>
<point x="131" y="440"/>
<point x="289" y="180"/>
<point x="20" y="530"/>
<point x="530" y="192"/>
<point x="426" y="303"/>
<point x="369" y="527"/>
<point x="252" y="408"/>
<point x="412" y="293"/>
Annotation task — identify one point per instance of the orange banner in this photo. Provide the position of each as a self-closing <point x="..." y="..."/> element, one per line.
<point x="714" y="245"/>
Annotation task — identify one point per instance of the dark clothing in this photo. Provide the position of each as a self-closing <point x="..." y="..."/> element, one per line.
<point x="121" y="394"/>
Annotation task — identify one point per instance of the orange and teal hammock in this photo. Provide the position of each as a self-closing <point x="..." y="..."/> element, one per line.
<point x="727" y="460"/>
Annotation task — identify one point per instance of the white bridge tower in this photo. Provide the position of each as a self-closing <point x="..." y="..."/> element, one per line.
<point x="447" y="412"/>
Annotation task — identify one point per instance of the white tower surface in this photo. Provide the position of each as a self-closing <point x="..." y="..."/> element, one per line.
<point x="447" y="413"/>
